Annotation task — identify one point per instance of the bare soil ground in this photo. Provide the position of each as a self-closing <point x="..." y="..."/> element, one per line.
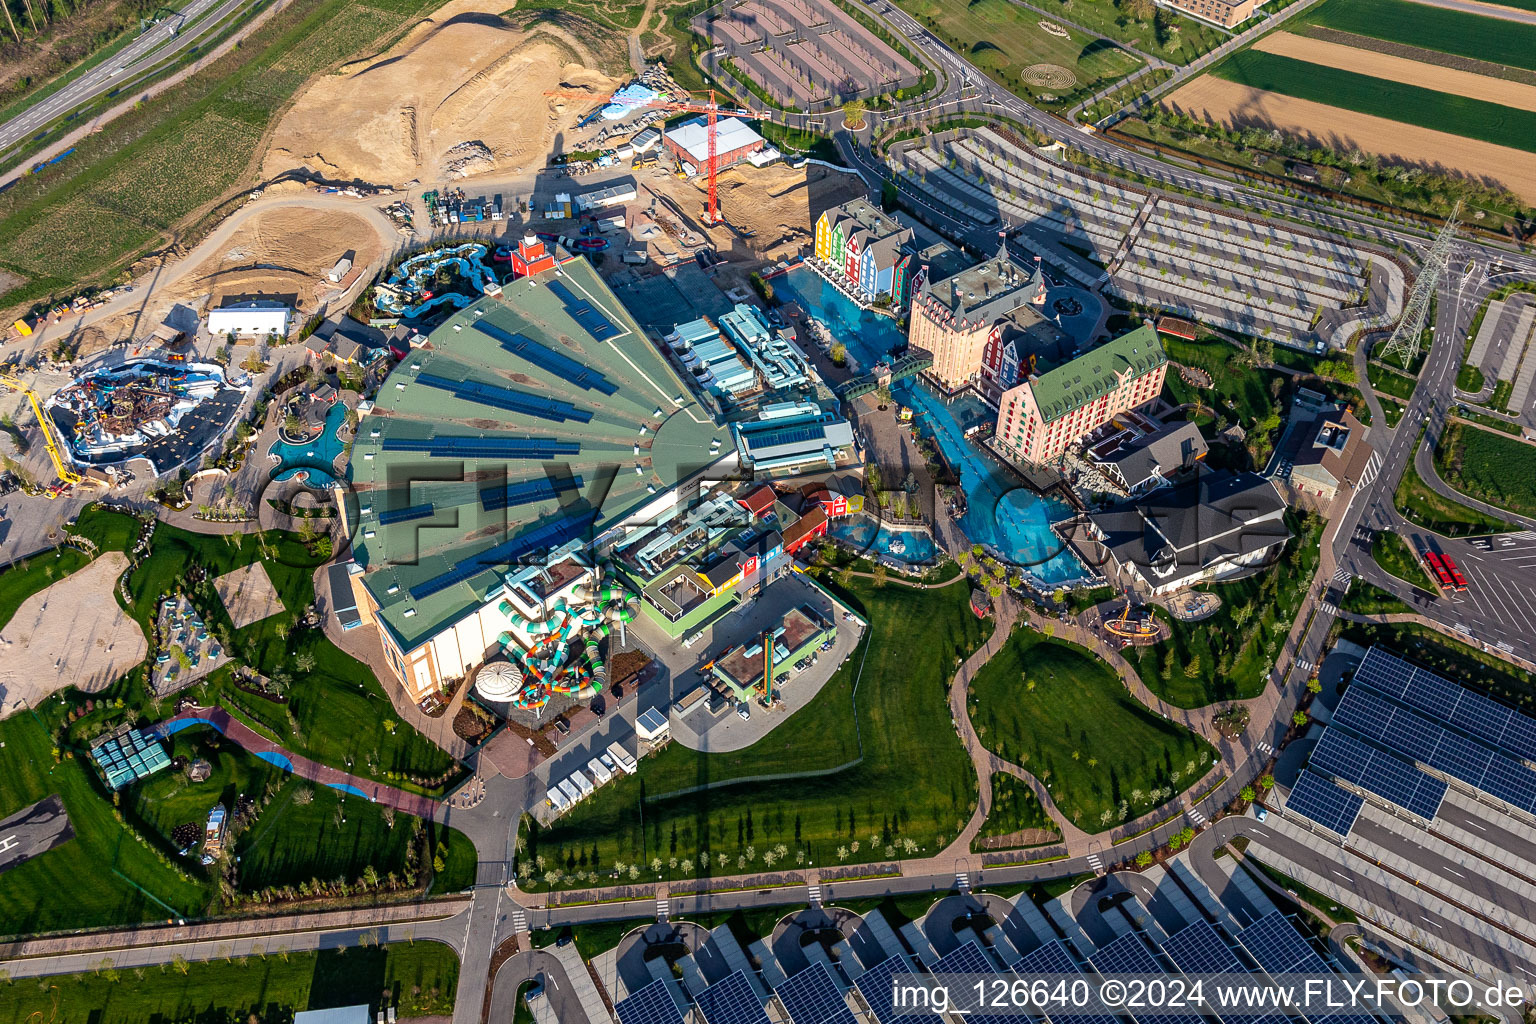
<point x="71" y="634"/>
<point x="280" y="253"/>
<point x="1234" y="104"/>
<point x="1400" y="69"/>
<point x="248" y="595"/>
<point x="463" y="76"/>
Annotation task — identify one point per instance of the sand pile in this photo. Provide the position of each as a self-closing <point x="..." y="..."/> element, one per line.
<point x="779" y="203"/>
<point x="461" y="78"/>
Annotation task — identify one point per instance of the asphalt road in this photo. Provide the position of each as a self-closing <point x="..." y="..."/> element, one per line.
<point x="150" y="48"/>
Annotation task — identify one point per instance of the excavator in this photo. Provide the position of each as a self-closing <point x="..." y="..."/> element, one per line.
<point x="67" y="476"/>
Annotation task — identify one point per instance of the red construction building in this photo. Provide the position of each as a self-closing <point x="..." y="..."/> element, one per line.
<point x="531" y="257"/>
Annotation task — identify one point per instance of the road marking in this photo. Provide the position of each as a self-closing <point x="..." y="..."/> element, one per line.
<point x="661" y="908"/>
<point x="1266" y="748"/>
<point x="1096" y="864"/>
<point x="815" y="895"/>
<point x="1453" y="871"/>
<point x="1194" y="812"/>
<point x="519" y="922"/>
<point x="1342" y="576"/>
<point x="962" y="881"/>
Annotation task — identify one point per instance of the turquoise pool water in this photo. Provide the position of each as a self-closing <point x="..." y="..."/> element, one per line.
<point x="865" y="535"/>
<point x="1002" y="514"/>
<point x="868" y="336"/>
<point x="317" y="459"/>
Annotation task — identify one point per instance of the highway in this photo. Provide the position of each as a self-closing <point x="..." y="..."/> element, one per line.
<point x="153" y="46"/>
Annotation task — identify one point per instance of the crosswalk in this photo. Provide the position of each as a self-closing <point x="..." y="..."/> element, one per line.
<point x="962" y="881"/>
<point x="1196" y="816"/>
<point x="1369" y="473"/>
<point x="815" y="891"/>
<point x="1328" y="607"/>
<point x="519" y="922"/>
<point x="1304" y="664"/>
<point x="1095" y="864"/>
<point x="1266" y="748"/>
<point x="661" y="908"/>
<point x="1341" y="576"/>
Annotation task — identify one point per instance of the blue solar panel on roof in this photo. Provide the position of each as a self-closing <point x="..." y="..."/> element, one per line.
<point x="1279" y="948"/>
<point x="731" y="1001"/>
<point x="405" y="515"/>
<point x="1446" y="701"/>
<point x="452" y="447"/>
<point x="1376" y="771"/>
<point x="875" y="985"/>
<point x="526" y="492"/>
<point x="510" y="399"/>
<point x="970" y="959"/>
<point x="1200" y="949"/>
<point x="812" y="997"/>
<point x="1129" y="955"/>
<point x="546" y="358"/>
<point x="653" y="1004"/>
<point x="582" y="311"/>
<point x="1317" y="799"/>
<point x="549" y="535"/>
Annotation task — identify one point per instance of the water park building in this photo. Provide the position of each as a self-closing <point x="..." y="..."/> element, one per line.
<point x="743" y="355"/>
<point x="861" y="249"/>
<point x="1045" y="414"/>
<point x="955" y="318"/>
<point x="527" y="431"/>
<point x="759" y="667"/>
<point x="789" y="437"/>
<point x="1219" y="524"/>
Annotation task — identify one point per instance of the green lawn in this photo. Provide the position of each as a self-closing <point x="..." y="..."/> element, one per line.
<point x="1433" y="28"/>
<point x="169" y="799"/>
<point x="37" y="573"/>
<point x="1368" y="599"/>
<point x="1493" y="468"/>
<point x="1391" y="382"/>
<point x="1242" y="392"/>
<point x="1393" y="554"/>
<point x="1397" y="101"/>
<point x="1104" y="756"/>
<point x="1228" y="656"/>
<point x="419" y="978"/>
<point x="1470" y="379"/>
<point x="1428" y="509"/>
<point x="1014" y="809"/>
<point x="1485" y="673"/>
<point x="914" y="783"/>
<point x="1178" y="40"/>
<point x="1003" y="40"/>
<point x="1393" y="411"/>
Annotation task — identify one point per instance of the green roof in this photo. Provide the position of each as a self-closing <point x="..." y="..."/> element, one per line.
<point x="429" y="533"/>
<point x="1094" y="374"/>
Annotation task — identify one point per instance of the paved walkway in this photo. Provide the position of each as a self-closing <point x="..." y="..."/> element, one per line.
<point x="410" y="803"/>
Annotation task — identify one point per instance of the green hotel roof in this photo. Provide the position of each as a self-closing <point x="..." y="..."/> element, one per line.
<point x="1074" y="384"/>
<point x="431" y="549"/>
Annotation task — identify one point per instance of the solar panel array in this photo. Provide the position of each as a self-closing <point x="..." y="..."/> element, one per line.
<point x="452" y="447"/>
<point x="971" y="959"/>
<point x="510" y="399"/>
<point x="1389" y="777"/>
<point x="1318" y="799"/>
<point x="1129" y="955"/>
<point x="653" y="1004"/>
<point x="526" y="492"/>
<point x="406" y="515"/>
<point x="731" y="1001"/>
<point x="583" y="312"/>
<point x="549" y="360"/>
<point x="1200" y="949"/>
<point x="1444" y="700"/>
<point x="1425" y="741"/>
<point x="875" y="986"/>
<point x="811" y="997"/>
<point x="1053" y="958"/>
<point x="550" y="535"/>
<point x="1278" y="948"/>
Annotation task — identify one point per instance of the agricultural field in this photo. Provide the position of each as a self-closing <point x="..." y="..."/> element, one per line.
<point x="168" y="162"/>
<point x="1384" y="98"/>
<point x="1063" y="715"/>
<point x="1490" y="39"/>
<point x="1492" y="468"/>
<point x="1011" y="45"/>
<point x="1432" y="511"/>
<point x="894" y="785"/>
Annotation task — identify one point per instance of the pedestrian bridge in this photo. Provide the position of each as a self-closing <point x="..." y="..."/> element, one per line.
<point x="882" y="373"/>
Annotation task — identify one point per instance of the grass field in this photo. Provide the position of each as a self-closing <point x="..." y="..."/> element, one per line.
<point x="1397" y="101"/>
<point x="1228" y="656"/>
<point x="1104" y="756"/>
<point x="127" y="186"/>
<point x="1003" y="39"/>
<point x="34" y="574"/>
<point x="1493" y="468"/>
<point x="1393" y="554"/>
<point x="1368" y="599"/>
<point x="1424" y="507"/>
<point x="1391" y="382"/>
<point x="1241" y="391"/>
<point x="1180" y="41"/>
<point x="420" y="978"/>
<point x="1014" y="809"/>
<point x="1433" y="28"/>
<point x="340" y="710"/>
<point x="914" y="782"/>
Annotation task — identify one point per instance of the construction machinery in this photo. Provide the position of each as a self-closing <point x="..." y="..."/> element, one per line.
<point x="67" y="476"/>
<point x="711" y="110"/>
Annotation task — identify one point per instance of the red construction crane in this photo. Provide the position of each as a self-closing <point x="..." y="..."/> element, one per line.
<point x="711" y="110"/>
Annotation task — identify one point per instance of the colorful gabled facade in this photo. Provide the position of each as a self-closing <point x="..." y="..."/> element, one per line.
<point x="861" y="247"/>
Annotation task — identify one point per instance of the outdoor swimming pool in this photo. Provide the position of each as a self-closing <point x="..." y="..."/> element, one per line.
<point x="316" y="459"/>
<point x="863" y="534"/>
<point x="1002" y="514"/>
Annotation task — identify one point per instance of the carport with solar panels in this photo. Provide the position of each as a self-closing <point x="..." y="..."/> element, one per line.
<point x="1401" y="736"/>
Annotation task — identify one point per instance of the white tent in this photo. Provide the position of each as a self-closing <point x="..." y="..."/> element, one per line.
<point x="247" y="318"/>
